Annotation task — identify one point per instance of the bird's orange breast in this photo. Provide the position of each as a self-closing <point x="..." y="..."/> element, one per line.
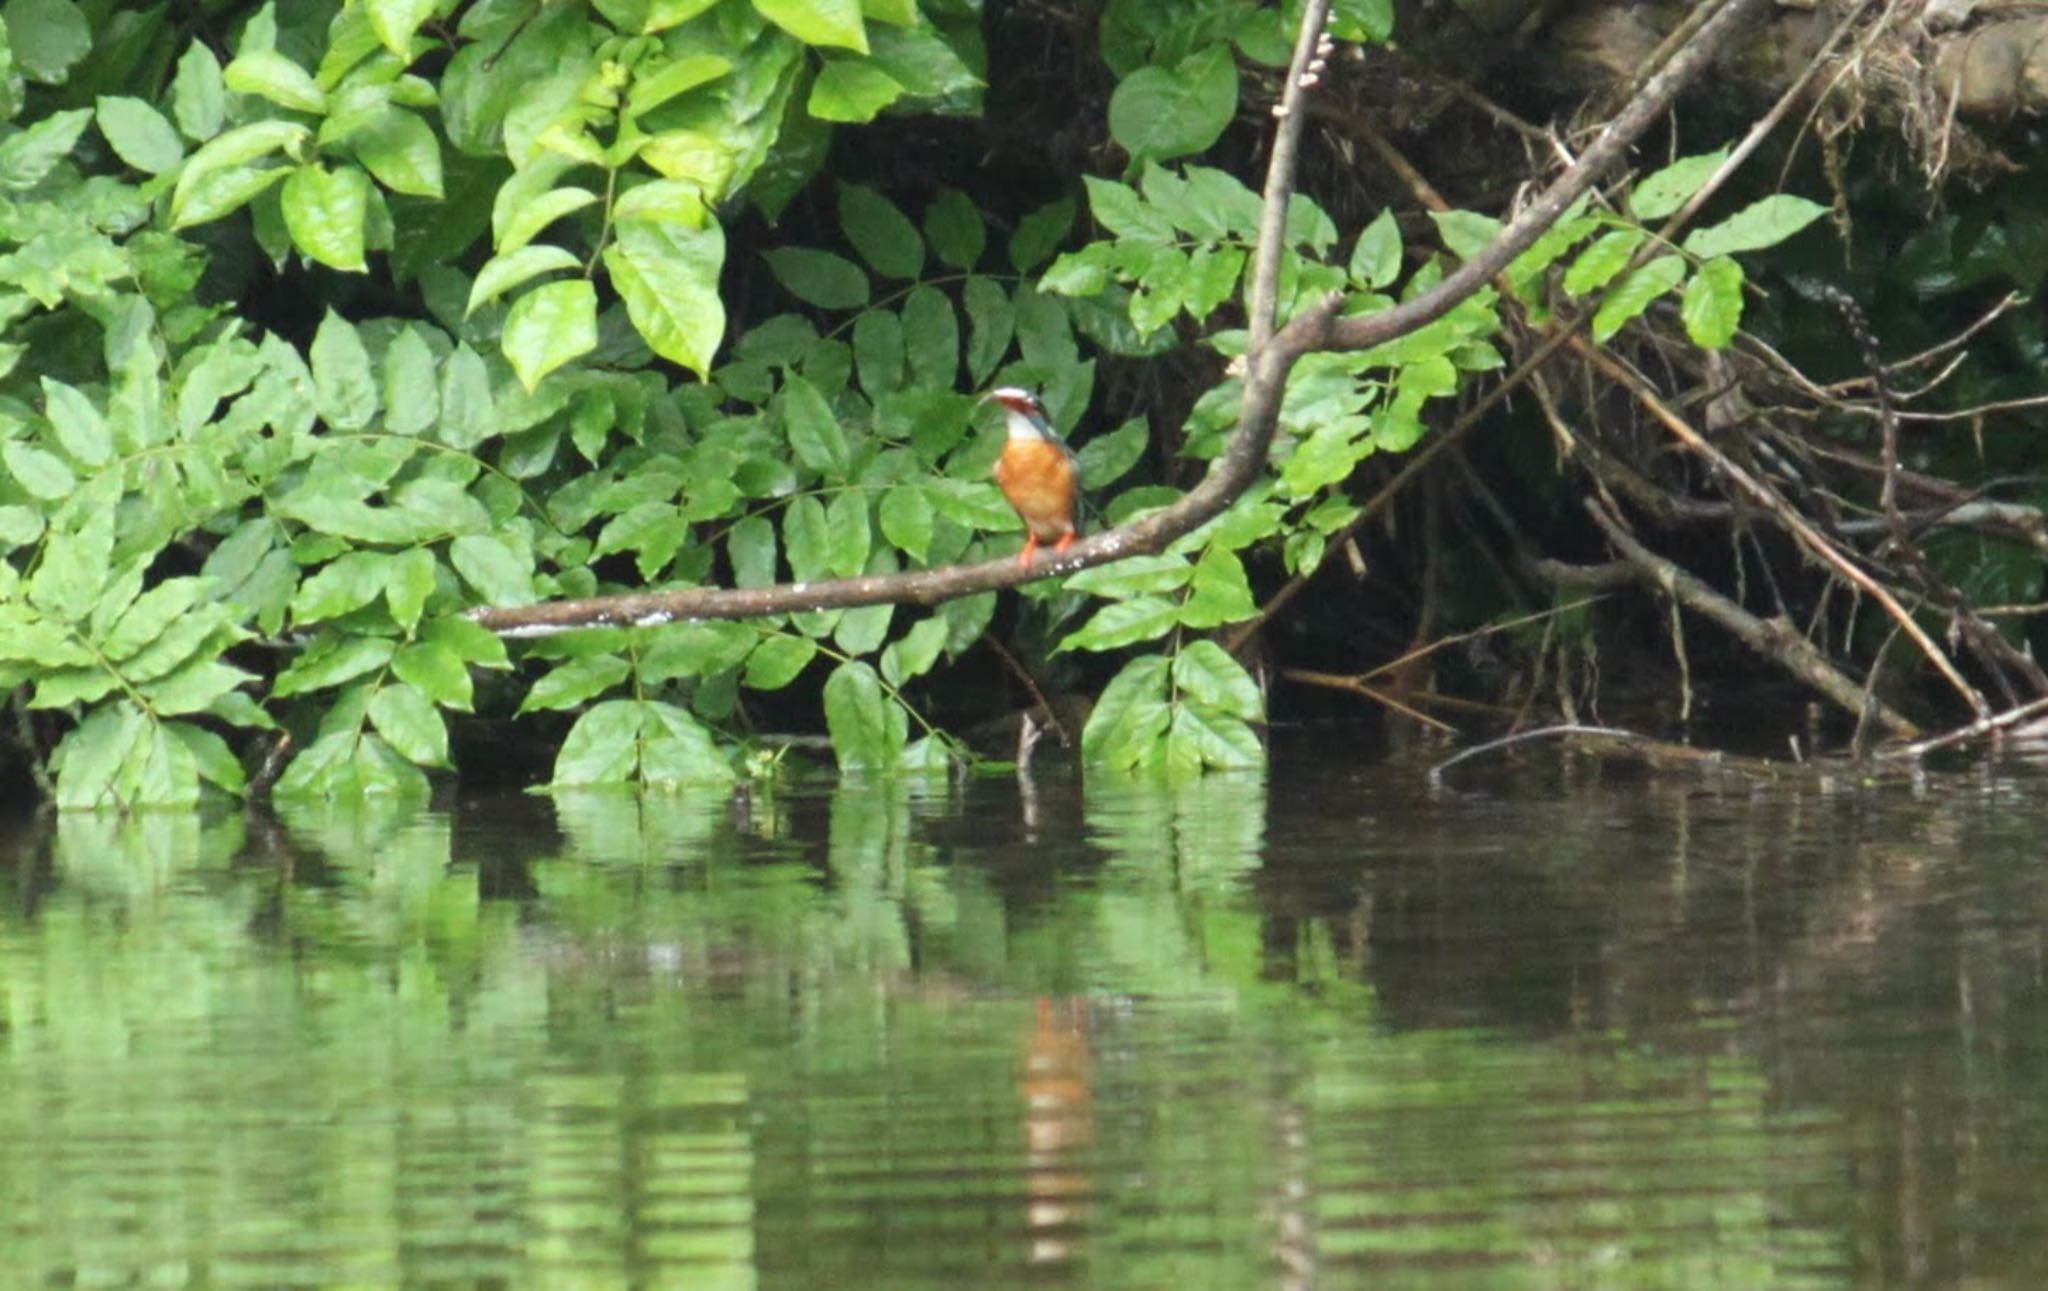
<point x="1037" y="476"/>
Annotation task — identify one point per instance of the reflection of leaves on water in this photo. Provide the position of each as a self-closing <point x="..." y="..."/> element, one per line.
<point x="620" y="828"/>
<point x="1199" y="834"/>
<point x="1165" y="917"/>
<point x="138" y="855"/>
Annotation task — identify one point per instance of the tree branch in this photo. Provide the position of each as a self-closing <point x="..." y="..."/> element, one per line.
<point x="1265" y="380"/>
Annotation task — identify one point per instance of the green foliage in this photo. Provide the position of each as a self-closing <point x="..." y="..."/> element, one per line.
<point x="224" y="548"/>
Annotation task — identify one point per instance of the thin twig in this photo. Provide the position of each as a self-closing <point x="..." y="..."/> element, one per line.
<point x="1772" y="638"/>
<point x="1794" y="523"/>
<point x="1022" y="674"/>
<point x="1982" y="726"/>
<point x="1357" y="686"/>
<point x="1436" y="773"/>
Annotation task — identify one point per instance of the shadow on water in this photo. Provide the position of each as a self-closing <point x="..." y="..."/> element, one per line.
<point x="1560" y="1026"/>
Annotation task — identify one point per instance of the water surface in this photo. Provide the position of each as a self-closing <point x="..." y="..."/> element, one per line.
<point x="1568" y="1026"/>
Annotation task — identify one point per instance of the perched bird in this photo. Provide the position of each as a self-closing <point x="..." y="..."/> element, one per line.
<point x="1037" y="473"/>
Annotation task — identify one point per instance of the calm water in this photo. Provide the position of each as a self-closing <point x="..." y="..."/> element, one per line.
<point x="1568" y="1027"/>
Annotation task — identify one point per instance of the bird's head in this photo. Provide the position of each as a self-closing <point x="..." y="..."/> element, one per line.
<point x="1026" y="414"/>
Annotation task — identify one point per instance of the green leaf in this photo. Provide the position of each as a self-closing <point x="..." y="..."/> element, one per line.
<point x="778" y="660"/>
<point x="501" y="273"/>
<point x="1120" y="623"/>
<point x="991" y="322"/>
<point x="222" y="192"/>
<point x="603" y="747"/>
<point x="1635" y="294"/>
<point x="549" y="326"/>
<point x="804" y="538"/>
<point x="1134" y="576"/>
<point x="345" y="389"/>
<point x="40" y="472"/>
<point x="1087" y="272"/>
<point x="576" y="681"/>
<point x="655" y="83"/>
<point x="1105" y="458"/>
<point x="955" y="228"/>
<point x="878" y="352"/>
<point x="139" y="134"/>
<point x="1128" y="724"/>
<point x="216" y="179"/>
<point x="1659" y="194"/>
<point x="436" y="671"/>
<point x="412" y="395"/>
<point x="1712" y="306"/>
<point x="1598" y="263"/>
<point x="1465" y="233"/>
<point x="19" y="526"/>
<point x="1159" y="112"/>
<point x="30" y="155"/>
<point x="270" y="75"/>
<point x="343" y="585"/>
<point x="819" y="277"/>
<point x="78" y="424"/>
<point x="818" y="22"/>
<point x="349" y="765"/>
<point x="931" y="337"/>
<point x="1118" y="208"/>
<point x="524" y="221"/>
<point x="77" y="554"/>
<point x="395" y="22"/>
<point x="1376" y="259"/>
<point x="883" y="235"/>
<point x="198" y="95"/>
<point x="150" y="615"/>
<point x="211" y="754"/>
<point x="858" y="718"/>
<point x="48" y="37"/>
<point x="1760" y="224"/>
<point x="324" y="210"/>
<point x="676" y="750"/>
<point x="408" y="582"/>
<point x="926" y="64"/>
<point x="862" y="630"/>
<point x="664" y="201"/>
<point x="1205" y="674"/>
<point x="852" y="90"/>
<point x="1219" y="593"/>
<point x="88" y="762"/>
<point x="401" y="150"/>
<point x="498" y="574"/>
<point x="1199" y="738"/>
<point x="467" y="416"/>
<point x="906" y="518"/>
<point x="331" y="661"/>
<point x="915" y="652"/>
<point x="751" y="548"/>
<point x="1039" y="234"/>
<point x="668" y="276"/>
<point x="410" y="724"/>
<point x="848" y="535"/>
<point x="813" y="428"/>
<point x="195" y="687"/>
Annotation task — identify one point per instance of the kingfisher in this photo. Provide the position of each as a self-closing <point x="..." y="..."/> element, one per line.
<point x="1037" y="473"/>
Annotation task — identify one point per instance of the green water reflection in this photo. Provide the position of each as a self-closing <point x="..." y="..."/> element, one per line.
<point x="900" y="1035"/>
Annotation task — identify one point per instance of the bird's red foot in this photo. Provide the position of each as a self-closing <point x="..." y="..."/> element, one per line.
<point x="1066" y="541"/>
<point x="1030" y="548"/>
